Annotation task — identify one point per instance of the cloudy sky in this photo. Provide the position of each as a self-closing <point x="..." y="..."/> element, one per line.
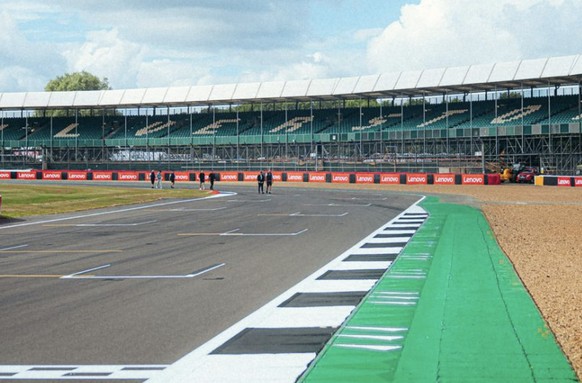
<point x="149" y="43"/>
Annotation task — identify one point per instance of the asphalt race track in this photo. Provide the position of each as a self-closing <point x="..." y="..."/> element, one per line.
<point x="147" y="284"/>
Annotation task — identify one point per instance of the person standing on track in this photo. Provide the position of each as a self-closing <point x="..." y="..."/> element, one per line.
<point x="202" y="178"/>
<point x="159" y="178"/>
<point x="269" y="178"/>
<point x="211" y="177"/>
<point x="152" y="178"/>
<point x="261" y="182"/>
<point x="172" y="179"/>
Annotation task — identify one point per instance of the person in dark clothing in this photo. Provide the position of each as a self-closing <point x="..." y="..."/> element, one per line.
<point x="152" y="178"/>
<point x="211" y="177"/>
<point x="172" y="179"/>
<point x="202" y="178"/>
<point x="269" y="178"/>
<point x="261" y="181"/>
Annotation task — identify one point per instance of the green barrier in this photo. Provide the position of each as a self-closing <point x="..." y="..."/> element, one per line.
<point x="468" y="318"/>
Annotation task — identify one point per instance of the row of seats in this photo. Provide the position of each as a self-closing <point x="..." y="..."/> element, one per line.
<point x="506" y="112"/>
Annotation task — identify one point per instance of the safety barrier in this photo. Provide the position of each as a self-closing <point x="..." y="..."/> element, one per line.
<point x="247" y="176"/>
<point x="558" y="181"/>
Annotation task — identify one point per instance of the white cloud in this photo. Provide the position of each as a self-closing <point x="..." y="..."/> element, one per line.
<point x="147" y="43"/>
<point x="105" y="54"/>
<point x="24" y="64"/>
<point x="440" y="33"/>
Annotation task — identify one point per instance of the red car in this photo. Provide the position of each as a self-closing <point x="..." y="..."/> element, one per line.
<point x="527" y="175"/>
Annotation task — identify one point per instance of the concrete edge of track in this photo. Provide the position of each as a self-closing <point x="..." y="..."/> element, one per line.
<point x="450" y="308"/>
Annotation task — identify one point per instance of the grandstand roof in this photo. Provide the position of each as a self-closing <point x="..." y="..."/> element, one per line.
<point x="552" y="71"/>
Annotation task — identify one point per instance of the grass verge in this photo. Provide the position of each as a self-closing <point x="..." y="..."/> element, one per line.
<point x="27" y="200"/>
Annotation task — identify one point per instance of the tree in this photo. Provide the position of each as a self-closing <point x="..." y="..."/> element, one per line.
<point x="77" y="81"/>
<point x="72" y="82"/>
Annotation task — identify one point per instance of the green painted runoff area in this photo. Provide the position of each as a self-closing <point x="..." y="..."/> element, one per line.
<point x="450" y="309"/>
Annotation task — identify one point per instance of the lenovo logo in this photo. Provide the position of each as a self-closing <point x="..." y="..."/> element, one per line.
<point x="77" y="176"/>
<point x="563" y="181"/>
<point x="4" y="176"/>
<point x="27" y="176"/>
<point x="317" y="178"/>
<point x="229" y="177"/>
<point x="340" y="178"/>
<point x="578" y="181"/>
<point x="365" y="179"/>
<point x="444" y="180"/>
<point x="99" y="176"/>
<point x="294" y="177"/>
<point x="416" y="180"/>
<point x="390" y="179"/>
<point x="51" y="176"/>
<point x="472" y="180"/>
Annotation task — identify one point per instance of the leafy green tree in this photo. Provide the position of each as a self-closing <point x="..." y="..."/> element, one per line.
<point x="77" y="81"/>
<point x="72" y="82"/>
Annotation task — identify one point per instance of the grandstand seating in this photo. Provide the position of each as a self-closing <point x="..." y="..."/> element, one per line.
<point x="273" y="124"/>
<point x="13" y="128"/>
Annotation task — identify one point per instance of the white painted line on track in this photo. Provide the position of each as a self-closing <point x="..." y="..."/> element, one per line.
<point x="115" y="224"/>
<point x="192" y="275"/>
<point x="76" y="372"/>
<point x="380" y="329"/>
<point x="389" y="240"/>
<point x="369" y="347"/>
<point x="318" y="215"/>
<point x="235" y="233"/>
<point x="13" y="247"/>
<point x="202" y="209"/>
<point x="295" y="317"/>
<point x="377" y="250"/>
<point x="86" y="271"/>
<point x="338" y="204"/>
<point x="299" y="214"/>
<point x="249" y="200"/>
<point x="332" y="286"/>
<point x="116" y="211"/>
<point x="256" y="368"/>
<point x="399" y="232"/>
<point x="380" y="265"/>
<point x="232" y="233"/>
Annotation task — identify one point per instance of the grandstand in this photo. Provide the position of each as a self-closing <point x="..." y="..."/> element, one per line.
<point x="462" y="117"/>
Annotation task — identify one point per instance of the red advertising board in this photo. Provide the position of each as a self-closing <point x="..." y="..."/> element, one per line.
<point x="102" y="176"/>
<point x="128" y="176"/>
<point x="76" y="175"/>
<point x="444" y="179"/>
<point x="248" y="176"/>
<point x="317" y="177"/>
<point x="294" y="177"/>
<point x="26" y="175"/>
<point x="416" y="179"/>
<point x="182" y="176"/>
<point x="277" y="176"/>
<point x="577" y="181"/>
<point x="340" y="178"/>
<point x="52" y="175"/>
<point x="229" y="176"/>
<point x="4" y="175"/>
<point x="564" y="181"/>
<point x="473" y="179"/>
<point x="390" y="178"/>
<point x="364" y="178"/>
